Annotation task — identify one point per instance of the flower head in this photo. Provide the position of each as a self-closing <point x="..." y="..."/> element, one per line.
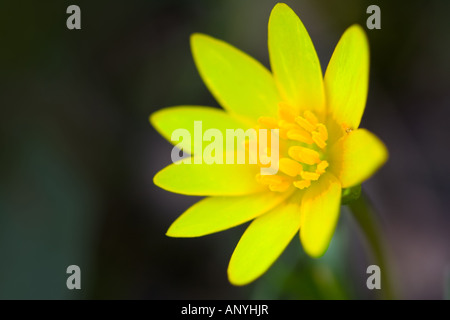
<point x="321" y="149"/>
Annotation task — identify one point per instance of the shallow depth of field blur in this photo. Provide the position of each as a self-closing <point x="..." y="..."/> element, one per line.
<point x="78" y="154"/>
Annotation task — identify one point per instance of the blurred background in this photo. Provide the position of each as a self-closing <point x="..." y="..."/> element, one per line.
<point x="78" y="154"/>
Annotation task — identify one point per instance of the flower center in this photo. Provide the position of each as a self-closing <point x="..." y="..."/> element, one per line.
<point x="303" y="141"/>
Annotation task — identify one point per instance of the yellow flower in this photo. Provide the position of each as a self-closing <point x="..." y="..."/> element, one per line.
<point x="321" y="151"/>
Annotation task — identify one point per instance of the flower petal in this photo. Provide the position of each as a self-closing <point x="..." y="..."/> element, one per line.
<point x="209" y="179"/>
<point x="356" y="156"/>
<point x="239" y="83"/>
<point x="347" y="78"/>
<point x="264" y="241"/>
<point x="167" y="120"/>
<point x="320" y="212"/>
<point x="294" y="61"/>
<point x="215" y="214"/>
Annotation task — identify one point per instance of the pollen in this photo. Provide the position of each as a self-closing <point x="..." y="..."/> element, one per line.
<point x="303" y="153"/>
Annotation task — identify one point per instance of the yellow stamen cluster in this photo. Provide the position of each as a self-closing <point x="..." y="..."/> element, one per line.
<point x="306" y="141"/>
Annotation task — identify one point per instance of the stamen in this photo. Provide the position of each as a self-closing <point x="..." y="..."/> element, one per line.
<point x="268" y="122"/>
<point x="300" y="135"/>
<point x="304" y="155"/>
<point x="302" y="184"/>
<point x="283" y="133"/>
<point x="305" y="124"/>
<point x="270" y="179"/>
<point x="305" y="129"/>
<point x="286" y="112"/>
<point x="321" y="167"/>
<point x="281" y="187"/>
<point x="286" y="125"/>
<point x="310" y="175"/>
<point x="290" y="167"/>
<point x="322" y="130"/>
<point x="316" y="137"/>
<point x="311" y="117"/>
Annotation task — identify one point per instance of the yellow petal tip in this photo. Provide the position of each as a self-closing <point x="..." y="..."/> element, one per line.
<point x="157" y="180"/>
<point x="239" y="279"/>
<point x="153" y="118"/>
<point x="313" y="253"/>
<point x="173" y="233"/>
<point x="281" y="6"/>
<point x="197" y="36"/>
<point x="169" y="233"/>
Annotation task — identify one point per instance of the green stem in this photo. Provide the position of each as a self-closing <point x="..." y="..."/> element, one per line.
<point x="364" y="214"/>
